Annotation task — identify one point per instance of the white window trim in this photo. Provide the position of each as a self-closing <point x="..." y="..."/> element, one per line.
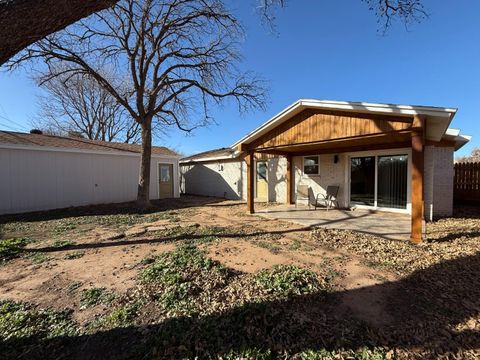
<point x="407" y="151"/>
<point x="303" y="165"/>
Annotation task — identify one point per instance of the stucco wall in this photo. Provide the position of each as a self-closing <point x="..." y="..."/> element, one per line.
<point x="230" y="181"/>
<point x="225" y="179"/>
<point x="34" y="180"/>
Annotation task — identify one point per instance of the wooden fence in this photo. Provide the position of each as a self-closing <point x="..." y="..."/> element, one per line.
<point x="466" y="185"/>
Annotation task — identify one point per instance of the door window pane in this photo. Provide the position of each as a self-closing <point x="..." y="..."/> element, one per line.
<point x="362" y="180"/>
<point x="164" y="173"/>
<point x="392" y="181"/>
<point x="262" y="171"/>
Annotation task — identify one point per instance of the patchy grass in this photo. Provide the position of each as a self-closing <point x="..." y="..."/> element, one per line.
<point x="24" y="328"/>
<point x="175" y="278"/>
<point x="285" y="280"/>
<point x="73" y="287"/>
<point x="62" y="243"/>
<point x="95" y="296"/>
<point x="74" y="255"/>
<point x="121" y="316"/>
<point x="12" y="248"/>
<point x="272" y="247"/>
<point x="38" y="258"/>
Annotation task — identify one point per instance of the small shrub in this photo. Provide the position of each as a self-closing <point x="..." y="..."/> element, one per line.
<point x="95" y="296"/>
<point x="11" y="248"/>
<point x="284" y="280"/>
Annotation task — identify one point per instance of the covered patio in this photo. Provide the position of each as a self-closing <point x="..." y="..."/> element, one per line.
<point x="343" y="129"/>
<point x="390" y="226"/>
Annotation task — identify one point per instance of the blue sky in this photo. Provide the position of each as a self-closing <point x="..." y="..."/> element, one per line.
<point x="329" y="49"/>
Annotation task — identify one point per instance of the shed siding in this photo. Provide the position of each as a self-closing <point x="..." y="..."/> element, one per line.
<point x="34" y="180"/>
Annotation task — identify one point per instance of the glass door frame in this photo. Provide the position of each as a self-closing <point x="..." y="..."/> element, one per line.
<point x="376" y="154"/>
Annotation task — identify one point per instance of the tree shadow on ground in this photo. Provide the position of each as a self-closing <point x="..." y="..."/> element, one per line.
<point x="112" y="209"/>
<point x="423" y="308"/>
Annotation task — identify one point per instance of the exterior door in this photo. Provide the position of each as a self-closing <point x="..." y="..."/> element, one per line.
<point x="165" y="178"/>
<point x="262" y="184"/>
<point x="379" y="181"/>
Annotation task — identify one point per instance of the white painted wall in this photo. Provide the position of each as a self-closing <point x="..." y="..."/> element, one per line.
<point x="226" y="179"/>
<point x="34" y="180"/>
<point x="330" y="174"/>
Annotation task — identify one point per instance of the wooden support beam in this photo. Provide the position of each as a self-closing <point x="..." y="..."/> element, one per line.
<point x="250" y="160"/>
<point x="290" y="180"/>
<point x="418" y="143"/>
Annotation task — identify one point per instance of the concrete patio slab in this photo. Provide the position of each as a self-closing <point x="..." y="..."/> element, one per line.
<point x="390" y="226"/>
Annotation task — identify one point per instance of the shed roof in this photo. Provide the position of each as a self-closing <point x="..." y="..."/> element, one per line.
<point x="11" y="138"/>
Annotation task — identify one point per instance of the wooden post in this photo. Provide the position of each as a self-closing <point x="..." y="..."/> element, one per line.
<point x="290" y="180"/>
<point x="250" y="159"/>
<point x="417" y="179"/>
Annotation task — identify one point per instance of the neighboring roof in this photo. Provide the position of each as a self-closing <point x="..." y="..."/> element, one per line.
<point x="211" y="155"/>
<point x="438" y="118"/>
<point x="18" y="139"/>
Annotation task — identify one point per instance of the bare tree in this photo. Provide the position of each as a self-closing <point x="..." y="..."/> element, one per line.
<point x="170" y="57"/>
<point x="473" y="157"/>
<point x="78" y="104"/>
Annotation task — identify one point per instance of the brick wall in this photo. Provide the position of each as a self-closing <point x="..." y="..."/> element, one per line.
<point x="438" y="182"/>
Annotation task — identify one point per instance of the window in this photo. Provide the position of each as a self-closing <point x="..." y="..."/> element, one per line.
<point x="311" y="165"/>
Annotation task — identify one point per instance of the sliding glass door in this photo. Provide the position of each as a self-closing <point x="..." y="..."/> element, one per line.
<point x="380" y="181"/>
<point x="362" y="185"/>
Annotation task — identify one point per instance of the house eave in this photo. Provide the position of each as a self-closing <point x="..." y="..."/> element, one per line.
<point x="438" y="118"/>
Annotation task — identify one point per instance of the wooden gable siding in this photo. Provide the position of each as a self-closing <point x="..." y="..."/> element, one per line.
<point x="314" y="126"/>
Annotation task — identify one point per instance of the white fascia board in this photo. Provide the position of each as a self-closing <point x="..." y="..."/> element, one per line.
<point x="80" y="151"/>
<point x="446" y="114"/>
<point x="461" y="140"/>
<point x="452" y="132"/>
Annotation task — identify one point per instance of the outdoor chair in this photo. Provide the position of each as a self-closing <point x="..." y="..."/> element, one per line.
<point x="303" y="193"/>
<point x="328" y="200"/>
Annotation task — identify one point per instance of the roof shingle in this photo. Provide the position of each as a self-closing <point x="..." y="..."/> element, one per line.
<point x="25" y="139"/>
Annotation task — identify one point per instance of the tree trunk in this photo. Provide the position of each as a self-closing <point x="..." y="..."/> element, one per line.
<point x="143" y="195"/>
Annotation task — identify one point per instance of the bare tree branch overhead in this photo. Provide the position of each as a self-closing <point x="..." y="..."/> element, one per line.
<point x="407" y="11"/>
<point x="78" y="104"/>
<point x="27" y="21"/>
<point x="171" y="60"/>
<point x="23" y="22"/>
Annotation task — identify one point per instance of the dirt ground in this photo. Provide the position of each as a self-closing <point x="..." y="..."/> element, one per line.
<point x="106" y="247"/>
<point x="114" y="264"/>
